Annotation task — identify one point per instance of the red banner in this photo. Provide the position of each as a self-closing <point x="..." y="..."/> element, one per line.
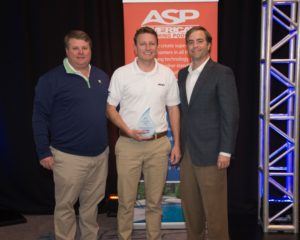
<point x="171" y="20"/>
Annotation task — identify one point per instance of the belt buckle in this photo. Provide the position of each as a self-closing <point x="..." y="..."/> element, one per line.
<point x="155" y="136"/>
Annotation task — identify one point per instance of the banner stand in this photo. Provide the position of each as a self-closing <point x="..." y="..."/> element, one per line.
<point x="171" y="19"/>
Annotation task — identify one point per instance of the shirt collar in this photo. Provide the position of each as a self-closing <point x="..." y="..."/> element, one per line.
<point x="138" y="70"/>
<point x="198" y="69"/>
<point x="69" y="68"/>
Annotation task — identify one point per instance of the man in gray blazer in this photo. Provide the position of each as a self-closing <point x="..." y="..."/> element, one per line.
<point x="209" y="121"/>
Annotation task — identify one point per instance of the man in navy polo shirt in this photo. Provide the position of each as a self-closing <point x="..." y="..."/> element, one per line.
<point x="70" y="133"/>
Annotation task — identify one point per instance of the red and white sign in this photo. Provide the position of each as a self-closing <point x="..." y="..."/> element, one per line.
<point x="171" y="20"/>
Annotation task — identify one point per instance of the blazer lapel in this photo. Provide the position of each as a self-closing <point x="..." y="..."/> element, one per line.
<point x="183" y="88"/>
<point x="204" y="75"/>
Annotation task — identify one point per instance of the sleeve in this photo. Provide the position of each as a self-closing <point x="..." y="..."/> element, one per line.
<point x="225" y="154"/>
<point x="41" y="118"/>
<point x="229" y="110"/>
<point x="114" y="90"/>
<point x="172" y="98"/>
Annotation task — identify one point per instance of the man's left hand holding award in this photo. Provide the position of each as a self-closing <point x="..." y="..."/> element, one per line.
<point x="145" y="125"/>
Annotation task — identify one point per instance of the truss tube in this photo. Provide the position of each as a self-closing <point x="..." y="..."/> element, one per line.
<point x="281" y="156"/>
<point x="290" y="107"/>
<point x="296" y="129"/>
<point x="281" y="212"/>
<point x="266" y="132"/>
<point x="261" y="113"/>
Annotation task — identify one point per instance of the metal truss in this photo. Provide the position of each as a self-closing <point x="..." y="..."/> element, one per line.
<point x="279" y="116"/>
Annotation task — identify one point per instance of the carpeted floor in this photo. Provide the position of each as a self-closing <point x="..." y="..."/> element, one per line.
<point x="40" y="227"/>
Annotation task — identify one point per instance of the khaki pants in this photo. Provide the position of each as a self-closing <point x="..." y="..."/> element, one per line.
<point x="151" y="158"/>
<point x="78" y="177"/>
<point x="204" y="199"/>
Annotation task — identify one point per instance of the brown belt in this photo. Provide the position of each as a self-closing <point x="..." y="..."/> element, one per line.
<point x="155" y="135"/>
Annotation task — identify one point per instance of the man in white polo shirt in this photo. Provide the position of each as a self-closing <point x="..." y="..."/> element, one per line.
<point x="144" y="89"/>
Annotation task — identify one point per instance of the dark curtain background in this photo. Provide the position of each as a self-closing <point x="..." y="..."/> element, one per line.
<point x="32" y="36"/>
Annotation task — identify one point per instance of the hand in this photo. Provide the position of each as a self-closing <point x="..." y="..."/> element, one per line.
<point x="175" y="155"/>
<point x="47" y="162"/>
<point x="137" y="134"/>
<point x="223" y="162"/>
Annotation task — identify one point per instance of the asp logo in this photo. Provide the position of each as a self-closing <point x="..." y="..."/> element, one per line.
<point x="171" y="16"/>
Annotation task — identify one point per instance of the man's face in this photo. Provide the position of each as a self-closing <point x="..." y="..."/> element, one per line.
<point x="146" y="47"/>
<point x="197" y="46"/>
<point x="78" y="53"/>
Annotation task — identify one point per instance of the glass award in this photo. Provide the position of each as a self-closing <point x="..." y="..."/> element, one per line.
<point x="145" y="123"/>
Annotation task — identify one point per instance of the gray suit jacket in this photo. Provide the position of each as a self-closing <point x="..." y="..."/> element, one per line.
<point x="209" y="122"/>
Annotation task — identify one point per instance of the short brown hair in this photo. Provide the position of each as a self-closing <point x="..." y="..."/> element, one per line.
<point x="198" y="28"/>
<point x="144" y="30"/>
<point x="77" y="34"/>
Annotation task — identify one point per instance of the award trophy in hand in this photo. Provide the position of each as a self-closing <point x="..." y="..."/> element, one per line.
<point x="146" y="124"/>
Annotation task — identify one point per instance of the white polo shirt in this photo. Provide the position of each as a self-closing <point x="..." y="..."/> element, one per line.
<point x="136" y="91"/>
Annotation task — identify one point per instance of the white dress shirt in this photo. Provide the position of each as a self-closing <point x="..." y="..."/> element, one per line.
<point x="192" y="79"/>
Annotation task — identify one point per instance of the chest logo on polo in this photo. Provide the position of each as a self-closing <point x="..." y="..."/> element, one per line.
<point x="161" y="84"/>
